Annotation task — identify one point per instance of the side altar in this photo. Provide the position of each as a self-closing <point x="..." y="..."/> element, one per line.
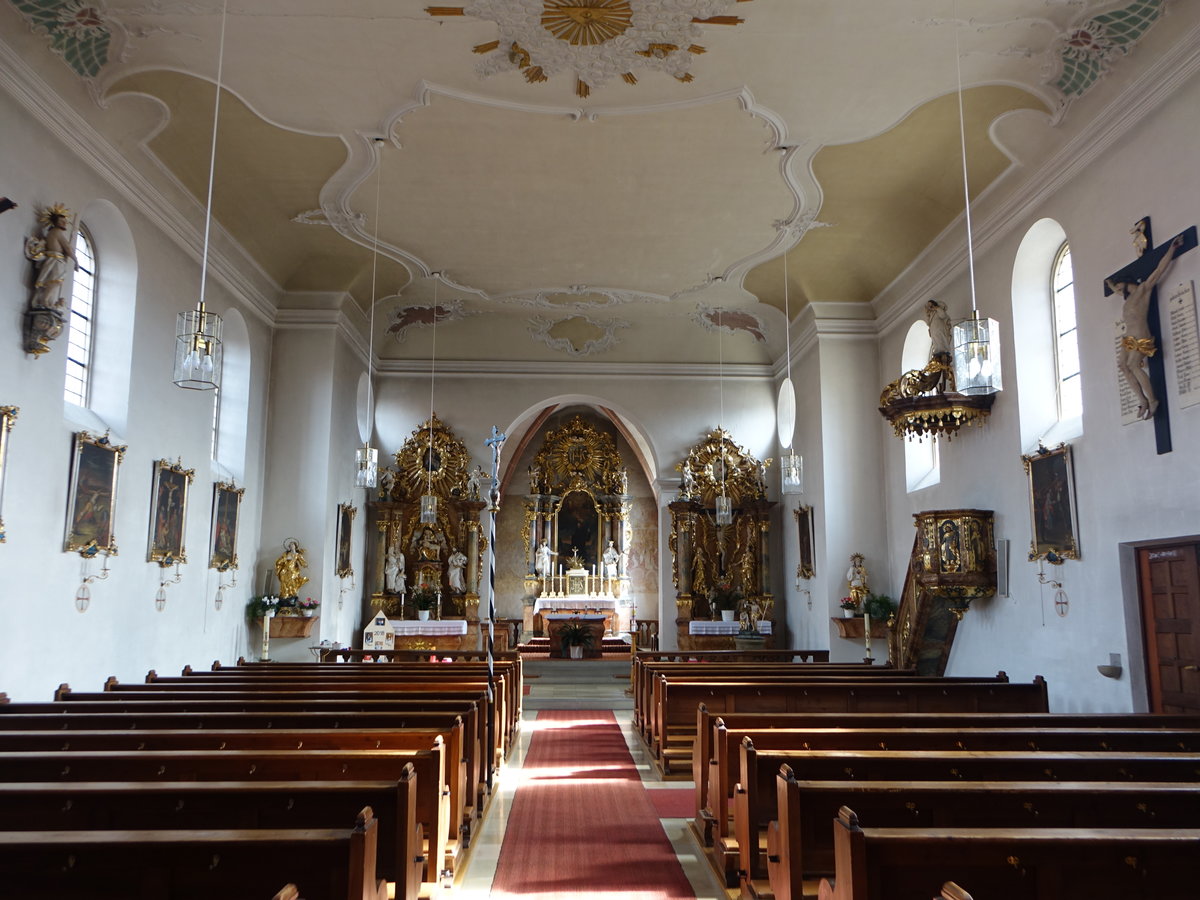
<point x="424" y="556"/>
<point x="720" y="530"/>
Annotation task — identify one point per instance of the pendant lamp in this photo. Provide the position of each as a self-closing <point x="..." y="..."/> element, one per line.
<point x="366" y="457"/>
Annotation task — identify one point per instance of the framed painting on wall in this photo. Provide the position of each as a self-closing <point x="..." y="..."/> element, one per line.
<point x="169" y="512"/>
<point x="346" y="513"/>
<point x="8" y="415"/>
<point x="92" y="495"/>
<point x="226" y="514"/>
<point x="1052" y="508"/>
<point x="804" y="533"/>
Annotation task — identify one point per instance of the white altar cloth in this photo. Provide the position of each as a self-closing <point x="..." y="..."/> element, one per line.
<point x="700" y="626"/>
<point x="430" y="627"/>
<point x="581" y="601"/>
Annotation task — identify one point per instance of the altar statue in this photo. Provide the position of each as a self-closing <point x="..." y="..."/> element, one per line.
<point x="458" y="565"/>
<point x="393" y="570"/>
<point x="542" y="561"/>
<point x="429" y="543"/>
<point x="612" y="558"/>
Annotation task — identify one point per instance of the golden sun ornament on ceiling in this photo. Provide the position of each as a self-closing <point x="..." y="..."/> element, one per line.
<point x="595" y="40"/>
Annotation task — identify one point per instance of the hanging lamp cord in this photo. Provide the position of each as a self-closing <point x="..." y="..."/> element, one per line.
<point x="212" y="157"/>
<point x="962" y="139"/>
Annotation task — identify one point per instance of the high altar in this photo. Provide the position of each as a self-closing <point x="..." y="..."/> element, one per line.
<point x="708" y="552"/>
<point x="576" y="530"/>
<point x="444" y="554"/>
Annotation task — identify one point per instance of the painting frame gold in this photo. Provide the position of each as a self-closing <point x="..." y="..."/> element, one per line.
<point x="168" y="513"/>
<point x="92" y="495"/>
<point x="344" y="568"/>
<point x="1053" y="511"/>
<point x="805" y="537"/>
<point x="223" y="532"/>
<point x="8" y="415"/>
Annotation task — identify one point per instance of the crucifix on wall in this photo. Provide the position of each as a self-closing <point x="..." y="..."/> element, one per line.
<point x="1139" y="359"/>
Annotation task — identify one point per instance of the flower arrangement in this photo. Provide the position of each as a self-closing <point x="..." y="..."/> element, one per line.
<point x="424" y="598"/>
<point x="850" y="603"/>
<point x="724" y="596"/>
<point x="575" y="634"/>
<point x="308" y="603"/>
<point x="260" y="606"/>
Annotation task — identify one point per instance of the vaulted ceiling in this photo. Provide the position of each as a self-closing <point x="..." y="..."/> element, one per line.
<point x="612" y="179"/>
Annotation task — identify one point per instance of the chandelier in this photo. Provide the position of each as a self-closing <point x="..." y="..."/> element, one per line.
<point x="198" y="353"/>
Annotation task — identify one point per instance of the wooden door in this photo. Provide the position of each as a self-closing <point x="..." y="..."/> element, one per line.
<point x="1170" y="591"/>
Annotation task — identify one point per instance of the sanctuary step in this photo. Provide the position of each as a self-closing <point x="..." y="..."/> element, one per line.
<point x="540" y="647"/>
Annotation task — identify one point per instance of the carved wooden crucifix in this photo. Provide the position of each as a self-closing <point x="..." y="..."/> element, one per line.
<point x="1138" y="285"/>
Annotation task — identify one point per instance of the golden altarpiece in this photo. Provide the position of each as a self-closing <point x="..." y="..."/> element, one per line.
<point x="576" y="531"/>
<point x="708" y="553"/>
<point x="445" y="555"/>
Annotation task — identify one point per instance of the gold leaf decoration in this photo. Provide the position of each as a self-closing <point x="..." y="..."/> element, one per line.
<point x="586" y="22"/>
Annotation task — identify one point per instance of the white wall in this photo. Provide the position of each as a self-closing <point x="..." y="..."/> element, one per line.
<point x="121" y="633"/>
<point x="1126" y="492"/>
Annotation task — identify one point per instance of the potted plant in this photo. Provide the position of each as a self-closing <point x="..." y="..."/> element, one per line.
<point x="880" y="607"/>
<point x="724" y="598"/>
<point x="849" y="607"/>
<point x="308" y="607"/>
<point x="575" y="637"/>
<point x="424" y="599"/>
<point x="261" y="606"/>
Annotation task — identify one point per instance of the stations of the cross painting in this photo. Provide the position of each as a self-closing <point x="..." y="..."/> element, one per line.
<point x="1138" y="356"/>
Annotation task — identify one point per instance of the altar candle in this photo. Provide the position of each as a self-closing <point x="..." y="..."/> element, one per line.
<point x="867" y="631"/>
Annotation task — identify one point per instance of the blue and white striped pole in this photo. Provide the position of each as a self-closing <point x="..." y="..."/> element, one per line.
<point x="495" y="442"/>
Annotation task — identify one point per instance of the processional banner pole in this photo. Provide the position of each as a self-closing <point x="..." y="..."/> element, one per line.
<point x="495" y="442"/>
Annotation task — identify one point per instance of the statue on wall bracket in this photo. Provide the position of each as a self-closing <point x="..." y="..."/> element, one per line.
<point x="54" y="260"/>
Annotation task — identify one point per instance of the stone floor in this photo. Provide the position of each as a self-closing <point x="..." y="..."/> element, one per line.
<point x="579" y="684"/>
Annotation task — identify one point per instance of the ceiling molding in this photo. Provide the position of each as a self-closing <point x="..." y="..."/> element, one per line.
<point x="324" y="320"/>
<point x="363" y="157"/>
<point x="42" y="103"/>
<point x="622" y="371"/>
<point x="945" y="257"/>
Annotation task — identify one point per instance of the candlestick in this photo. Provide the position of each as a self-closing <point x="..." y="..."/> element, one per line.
<point x="867" y="631"/>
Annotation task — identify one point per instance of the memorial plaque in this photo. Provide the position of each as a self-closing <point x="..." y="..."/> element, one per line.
<point x="1185" y="343"/>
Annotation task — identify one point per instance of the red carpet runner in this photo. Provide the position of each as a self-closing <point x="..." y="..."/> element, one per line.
<point x="581" y="822"/>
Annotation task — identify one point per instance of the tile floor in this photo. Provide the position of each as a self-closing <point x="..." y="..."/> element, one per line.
<point x="584" y="684"/>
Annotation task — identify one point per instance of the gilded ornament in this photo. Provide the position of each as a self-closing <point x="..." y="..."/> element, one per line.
<point x="586" y="22"/>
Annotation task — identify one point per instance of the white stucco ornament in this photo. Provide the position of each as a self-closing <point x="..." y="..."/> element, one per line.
<point x="596" y="40"/>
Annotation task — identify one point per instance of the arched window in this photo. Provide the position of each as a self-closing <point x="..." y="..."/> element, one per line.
<point x="1066" y="356"/>
<point x="922" y="464"/>
<point x="1049" y="386"/>
<point x="80" y="322"/>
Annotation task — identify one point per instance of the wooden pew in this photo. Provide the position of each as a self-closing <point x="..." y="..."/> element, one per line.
<point x="646" y="674"/>
<point x="510" y="667"/>
<point x="800" y="844"/>
<point x="310" y="696"/>
<point x="721" y="773"/>
<point x="474" y="754"/>
<point x="756" y="791"/>
<point x="1031" y="864"/>
<point x="679" y="740"/>
<point x="54" y="806"/>
<point x="329" y="864"/>
<point x="739" y="724"/>
<point x="228" y="713"/>
<point x="678" y="702"/>
<point x="274" y="739"/>
<point x="432" y="796"/>
<point x="315" y="680"/>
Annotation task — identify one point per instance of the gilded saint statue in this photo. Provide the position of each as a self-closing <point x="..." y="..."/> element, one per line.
<point x="856" y="578"/>
<point x="287" y="569"/>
